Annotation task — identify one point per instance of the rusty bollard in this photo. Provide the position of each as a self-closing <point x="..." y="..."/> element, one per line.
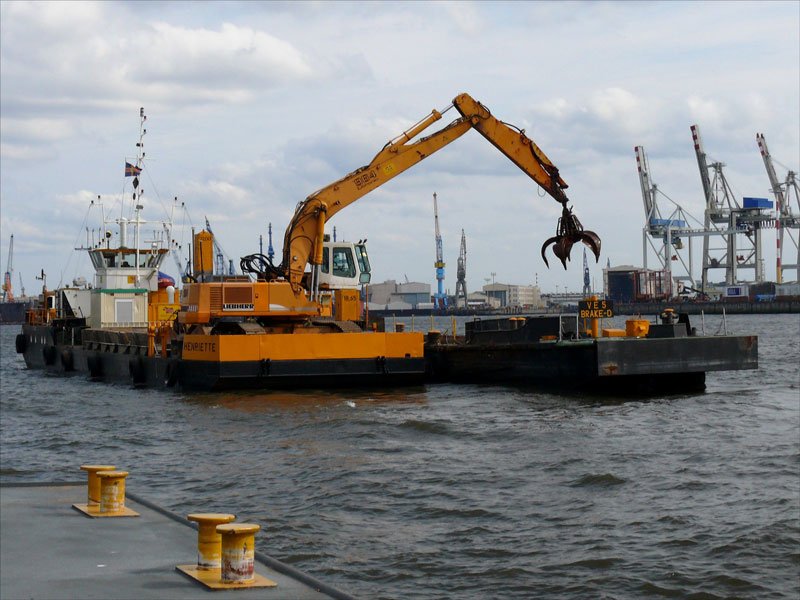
<point x="238" y="552"/>
<point x="209" y="542"/>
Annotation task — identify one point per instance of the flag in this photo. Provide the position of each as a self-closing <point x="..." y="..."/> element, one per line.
<point x="131" y="170"/>
<point x="165" y="280"/>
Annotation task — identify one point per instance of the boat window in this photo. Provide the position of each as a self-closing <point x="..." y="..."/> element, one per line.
<point x="343" y="263"/>
<point x="363" y="263"/>
<point x="325" y="260"/>
<point x="123" y="310"/>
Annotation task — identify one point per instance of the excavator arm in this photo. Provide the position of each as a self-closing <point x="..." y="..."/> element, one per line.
<point x="304" y="236"/>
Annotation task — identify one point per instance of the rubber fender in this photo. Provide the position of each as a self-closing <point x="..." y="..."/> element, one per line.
<point x="95" y="366"/>
<point x="171" y="374"/>
<point x="67" y="360"/>
<point x="49" y="354"/>
<point x="21" y="343"/>
<point x="136" y="370"/>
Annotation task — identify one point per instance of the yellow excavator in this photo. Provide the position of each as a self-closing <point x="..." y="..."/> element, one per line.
<point x="280" y="326"/>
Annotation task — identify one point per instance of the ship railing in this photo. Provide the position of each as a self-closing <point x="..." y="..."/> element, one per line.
<point x="159" y="336"/>
<point x="123" y="324"/>
<point x="561" y="329"/>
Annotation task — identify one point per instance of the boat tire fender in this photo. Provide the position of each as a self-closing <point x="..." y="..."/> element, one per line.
<point x="171" y="374"/>
<point x="67" y="360"/>
<point x="21" y="343"/>
<point x="95" y="366"/>
<point x="136" y="370"/>
<point x="49" y="355"/>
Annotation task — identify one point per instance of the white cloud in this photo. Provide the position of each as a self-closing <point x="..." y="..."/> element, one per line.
<point x="253" y="106"/>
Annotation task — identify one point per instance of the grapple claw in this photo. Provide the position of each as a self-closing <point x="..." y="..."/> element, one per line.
<point x="591" y="239"/>
<point x="552" y="240"/>
<point x="568" y="233"/>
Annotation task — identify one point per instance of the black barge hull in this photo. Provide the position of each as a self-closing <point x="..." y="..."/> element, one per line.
<point x="640" y="365"/>
<point x="671" y="360"/>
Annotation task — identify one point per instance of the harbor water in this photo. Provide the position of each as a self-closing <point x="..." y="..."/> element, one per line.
<point x="460" y="491"/>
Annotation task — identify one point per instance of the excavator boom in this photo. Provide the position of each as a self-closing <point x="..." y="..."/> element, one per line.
<point x="304" y="236"/>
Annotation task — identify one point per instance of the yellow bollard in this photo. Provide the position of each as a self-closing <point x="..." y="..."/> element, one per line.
<point x="112" y="491"/>
<point x="229" y="560"/>
<point x="209" y="542"/>
<point x="238" y="552"/>
<point x="94" y="481"/>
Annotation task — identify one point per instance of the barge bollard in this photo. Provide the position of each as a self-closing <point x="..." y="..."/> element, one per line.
<point x="112" y="492"/>
<point x="226" y="554"/>
<point x="93" y="495"/>
<point x="209" y="542"/>
<point x="238" y="552"/>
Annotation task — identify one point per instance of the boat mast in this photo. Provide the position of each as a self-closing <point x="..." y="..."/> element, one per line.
<point x="137" y="193"/>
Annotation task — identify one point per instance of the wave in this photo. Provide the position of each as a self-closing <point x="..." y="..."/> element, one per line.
<point x="597" y="480"/>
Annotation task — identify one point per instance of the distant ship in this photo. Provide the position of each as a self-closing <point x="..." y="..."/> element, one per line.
<point x="14" y="311"/>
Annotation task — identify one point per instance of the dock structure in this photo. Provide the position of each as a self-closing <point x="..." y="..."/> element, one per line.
<point x="50" y="550"/>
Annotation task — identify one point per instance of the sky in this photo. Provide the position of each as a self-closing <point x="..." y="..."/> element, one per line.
<point x="254" y="106"/>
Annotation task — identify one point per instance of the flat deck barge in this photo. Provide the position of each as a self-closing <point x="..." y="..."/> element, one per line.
<point x="50" y="550"/>
<point x="546" y="351"/>
<point x="550" y="352"/>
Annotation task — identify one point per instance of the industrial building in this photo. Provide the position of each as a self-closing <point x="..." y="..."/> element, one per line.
<point x="391" y="295"/>
<point x="514" y="296"/>
<point x="626" y="283"/>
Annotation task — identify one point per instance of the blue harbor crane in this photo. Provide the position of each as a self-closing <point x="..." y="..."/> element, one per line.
<point x="440" y="298"/>
<point x="270" y="249"/>
<point x="587" y="286"/>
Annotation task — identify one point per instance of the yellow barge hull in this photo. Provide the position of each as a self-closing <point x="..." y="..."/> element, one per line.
<point x="214" y="362"/>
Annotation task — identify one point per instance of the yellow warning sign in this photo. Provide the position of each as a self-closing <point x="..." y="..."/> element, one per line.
<point x="595" y="309"/>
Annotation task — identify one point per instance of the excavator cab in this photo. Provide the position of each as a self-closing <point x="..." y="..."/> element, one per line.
<point x="345" y="265"/>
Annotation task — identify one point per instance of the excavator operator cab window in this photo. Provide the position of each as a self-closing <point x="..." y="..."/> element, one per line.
<point x="343" y="263"/>
<point x="363" y="263"/>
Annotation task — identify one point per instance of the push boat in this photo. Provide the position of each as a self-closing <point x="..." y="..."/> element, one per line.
<point x="131" y="324"/>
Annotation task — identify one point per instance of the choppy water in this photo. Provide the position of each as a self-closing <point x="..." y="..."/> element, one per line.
<point x="453" y="491"/>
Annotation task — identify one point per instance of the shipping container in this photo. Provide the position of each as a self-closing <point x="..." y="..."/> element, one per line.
<point x="756" y="203"/>
<point x="621" y="286"/>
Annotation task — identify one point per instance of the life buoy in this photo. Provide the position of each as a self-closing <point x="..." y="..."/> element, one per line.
<point x="21" y="343"/>
<point x="49" y="355"/>
<point x="67" y="360"/>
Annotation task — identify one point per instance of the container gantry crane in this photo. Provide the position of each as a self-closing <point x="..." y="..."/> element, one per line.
<point x="440" y="298"/>
<point x="669" y="231"/>
<point x="786" y="221"/>
<point x="724" y="217"/>
<point x="461" y="274"/>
